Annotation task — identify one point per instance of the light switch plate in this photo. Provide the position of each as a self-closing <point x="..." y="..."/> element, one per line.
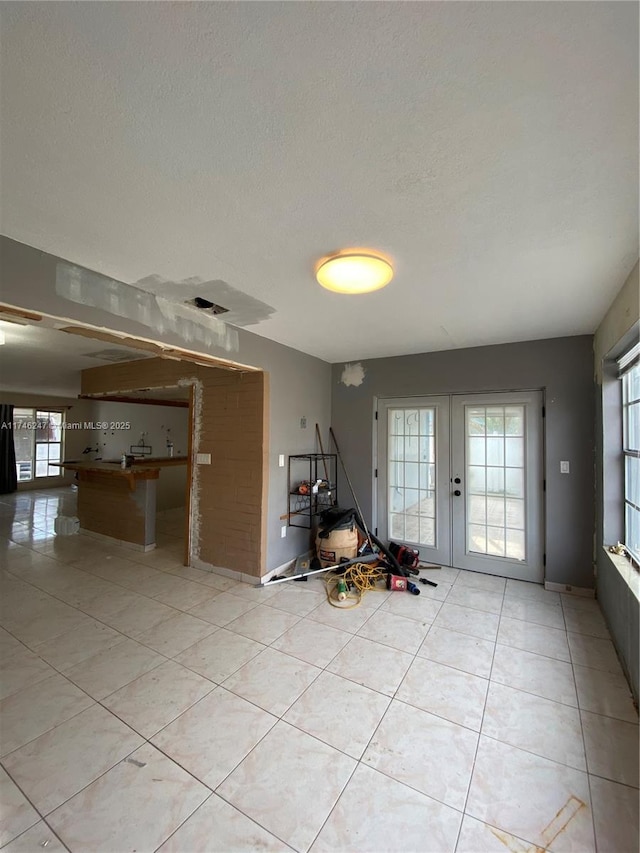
<point x="203" y="458"/>
<point x="565" y="468"/>
<point x="281" y="460"/>
<point x="283" y="531"/>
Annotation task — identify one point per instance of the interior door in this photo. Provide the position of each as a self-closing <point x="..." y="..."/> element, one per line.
<point x="496" y="468"/>
<point x="460" y="478"/>
<point x="413" y="495"/>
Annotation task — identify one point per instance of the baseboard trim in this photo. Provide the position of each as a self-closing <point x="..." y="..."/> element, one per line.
<point x="102" y="537"/>
<point x="240" y="576"/>
<point x="567" y="589"/>
<point x="278" y="570"/>
<point x="225" y="573"/>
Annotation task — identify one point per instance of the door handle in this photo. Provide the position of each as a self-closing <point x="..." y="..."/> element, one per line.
<point x="457" y="480"/>
<point x="457" y="493"/>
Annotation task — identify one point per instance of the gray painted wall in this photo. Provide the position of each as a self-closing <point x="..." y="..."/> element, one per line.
<point x="617" y="597"/>
<point x="561" y="367"/>
<point x="299" y="384"/>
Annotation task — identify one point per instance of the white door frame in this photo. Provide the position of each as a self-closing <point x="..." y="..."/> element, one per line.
<point x="451" y="513"/>
<point x="531" y="568"/>
<point x="441" y="550"/>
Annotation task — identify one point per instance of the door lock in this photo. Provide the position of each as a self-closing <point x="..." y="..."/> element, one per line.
<point x="457" y="480"/>
<point x="457" y="493"/>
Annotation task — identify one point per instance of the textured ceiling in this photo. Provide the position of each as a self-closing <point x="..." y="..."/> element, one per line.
<point x="491" y="149"/>
<point x="47" y="361"/>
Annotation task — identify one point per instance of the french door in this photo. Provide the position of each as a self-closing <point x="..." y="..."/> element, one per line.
<point x="460" y="478"/>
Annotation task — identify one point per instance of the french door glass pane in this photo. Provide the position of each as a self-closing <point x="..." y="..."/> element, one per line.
<point x="477" y="450"/>
<point x="396" y="526"/>
<point x="411" y="475"/>
<point x="495" y="480"/>
<point x="396" y="448"/>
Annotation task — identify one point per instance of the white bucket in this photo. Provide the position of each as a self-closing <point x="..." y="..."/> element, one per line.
<point x="65" y="525"/>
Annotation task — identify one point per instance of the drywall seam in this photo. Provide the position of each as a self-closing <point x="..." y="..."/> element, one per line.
<point x="89" y="288"/>
<point x="194" y="508"/>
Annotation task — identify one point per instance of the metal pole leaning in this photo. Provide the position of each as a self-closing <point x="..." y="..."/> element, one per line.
<point x="366" y="558"/>
<point x="353" y="494"/>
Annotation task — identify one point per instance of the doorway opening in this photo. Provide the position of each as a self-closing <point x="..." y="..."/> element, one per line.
<point x="227" y="406"/>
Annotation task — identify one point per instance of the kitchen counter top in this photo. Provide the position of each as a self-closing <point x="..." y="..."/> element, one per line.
<point x="114" y="468"/>
<point x="161" y="461"/>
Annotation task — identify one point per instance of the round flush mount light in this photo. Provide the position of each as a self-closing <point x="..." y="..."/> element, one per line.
<point x="354" y="271"/>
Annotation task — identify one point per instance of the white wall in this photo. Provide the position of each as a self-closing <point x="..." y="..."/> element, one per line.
<point x="157" y="422"/>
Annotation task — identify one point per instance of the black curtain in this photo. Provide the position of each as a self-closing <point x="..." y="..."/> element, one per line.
<point x="8" y="474"/>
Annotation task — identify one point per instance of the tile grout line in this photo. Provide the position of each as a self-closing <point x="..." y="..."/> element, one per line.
<point x="475" y="757"/>
<point x="360" y="761"/>
<point x="393" y="697"/>
<point x="146" y="741"/>
<point x="331" y="746"/>
<point x="49" y="827"/>
<point x="584" y="740"/>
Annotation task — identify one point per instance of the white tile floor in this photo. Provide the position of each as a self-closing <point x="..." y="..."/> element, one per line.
<point x="146" y="706"/>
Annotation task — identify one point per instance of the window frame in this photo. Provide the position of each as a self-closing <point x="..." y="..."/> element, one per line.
<point x="34" y="415"/>
<point x="629" y="375"/>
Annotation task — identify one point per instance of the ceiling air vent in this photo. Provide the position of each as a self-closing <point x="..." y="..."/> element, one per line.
<point x="209" y="307"/>
<point x="116" y="355"/>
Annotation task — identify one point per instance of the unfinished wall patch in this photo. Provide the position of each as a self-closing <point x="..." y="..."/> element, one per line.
<point x="353" y="374"/>
<point x="156" y="312"/>
<point x="194" y="507"/>
<point x="242" y="309"/>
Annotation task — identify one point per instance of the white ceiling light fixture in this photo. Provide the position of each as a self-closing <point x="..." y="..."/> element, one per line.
<point x="354" y="271"/>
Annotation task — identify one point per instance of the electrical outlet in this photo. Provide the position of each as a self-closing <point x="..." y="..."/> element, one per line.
<point x="203" y="459"/>
<point x="565" y="468"/>
<point x="283" y="531"/>
<point x="303" y="423"/>
<point x="281" y="460"/>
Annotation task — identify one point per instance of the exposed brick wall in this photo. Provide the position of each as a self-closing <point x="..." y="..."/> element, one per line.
<point x="232" y="493"/>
